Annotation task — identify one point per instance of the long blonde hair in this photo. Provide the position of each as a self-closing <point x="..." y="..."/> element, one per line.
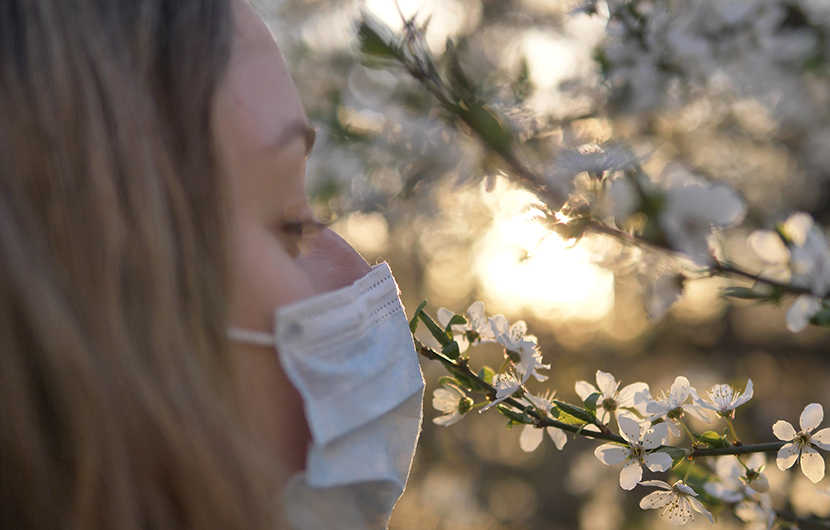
<point x="114" y="401"/>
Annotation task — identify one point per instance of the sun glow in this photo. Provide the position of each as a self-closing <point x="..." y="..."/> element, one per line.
<point x="522" y="267"/>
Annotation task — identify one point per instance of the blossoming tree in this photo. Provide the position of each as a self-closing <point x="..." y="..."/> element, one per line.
<point x="604" y="190"/>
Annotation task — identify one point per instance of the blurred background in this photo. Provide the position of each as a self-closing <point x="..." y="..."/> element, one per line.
<point x="727" y="90"/>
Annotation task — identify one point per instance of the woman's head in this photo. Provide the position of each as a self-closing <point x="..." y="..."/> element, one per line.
<point x="113" y="409"/>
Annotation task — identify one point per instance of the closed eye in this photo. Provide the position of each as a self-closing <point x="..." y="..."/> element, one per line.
<point x="298" y="231"/>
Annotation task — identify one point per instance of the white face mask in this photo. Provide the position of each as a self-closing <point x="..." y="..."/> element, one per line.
<point x="350" y="354"/>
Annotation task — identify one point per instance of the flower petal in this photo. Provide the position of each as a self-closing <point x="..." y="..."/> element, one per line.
<point x="681" y="511"/>
<point x="631" y="475"/>
<point x="696" y="504"/>
<point x="656" y="484"/>
<point x="629" y="428"/>
<point x="680" y="390"/>
<point x="584" y="389"/>
<point x="783" y="430"/>
<point x="559" y="437"/>
<point x="800" y="313"/>
<point x="607" y="384"/>
<point x="656" y="500"/>
<point x="812" y="416"/>
<point x="634" y="395"/>
<point x="444" y="316"/>
<point x="821" y="439"/>
<point x="447" y="419"/>
<point x="787" y="456"/>
<point x="611" y="454"/>
<point x="812" y="464"/>
<point x="530" y="439"/>
<point x="697" y="412"/>
<point x="476" y="312"/>
<point x="746" y="396"/>
<point x="657" y="462"/>
<point x="768" y="246"/>
<point x="656" y="436"/>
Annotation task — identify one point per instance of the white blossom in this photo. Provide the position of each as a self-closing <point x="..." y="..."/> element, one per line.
<point x="663" y="293"/>
<point x="735" y="483"/>
<point x="768" y="246"/>
<point x="692" y="211"/>
<point x="642" y="441"/>
<point x="532" y="436"/>
<point x="757" y="515"/>
<point x="453" y="402"/>
<point x="801" y="312"/>
<point x="809" y="255"/>
<point x="672" y="406"/>
<point x="802" y="445"/>
<point x="678" y="502"/>
<point x="724" y="399"/>
<point x="805" y="262"/>
<point x="506" y="385"/>
<point x="521" y="348"/>
<point x="477" y="326"/>
<point x="612" y="399"/>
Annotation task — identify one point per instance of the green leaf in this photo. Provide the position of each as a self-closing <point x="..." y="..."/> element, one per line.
<point x="512" y="415"/>
<point x="434" y="329"/>
<point x="488" y="127"/>
<point x="413" y="323"/>
<point x="745" y="293"/>
<point x="677" y="455"/>
<point x="375" y="38"/>
<point x="822" y="318"/>
<point x="447" y="380"/>
<point x="451" y="350"/>
<point x="570" y="414"/>
<point x="591" y="403"/>
<point x="455" y="320"/>
<point x="486" y="374"/>
<point x="713" y="439"/>
<point x="464" y="89"/>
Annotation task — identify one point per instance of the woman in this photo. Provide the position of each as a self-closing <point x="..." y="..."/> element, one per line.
<point x="151" y="198"/>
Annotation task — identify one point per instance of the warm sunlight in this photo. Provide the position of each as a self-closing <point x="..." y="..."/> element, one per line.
<point x="555" y="280"/>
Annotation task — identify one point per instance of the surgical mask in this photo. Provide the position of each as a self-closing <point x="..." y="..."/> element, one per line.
<point x="350" y="354"/>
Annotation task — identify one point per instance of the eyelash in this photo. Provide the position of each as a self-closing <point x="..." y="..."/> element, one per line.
<point x="298" y="230"/>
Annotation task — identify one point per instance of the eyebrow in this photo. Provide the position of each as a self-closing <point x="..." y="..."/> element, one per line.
<point x="295" y="129"/>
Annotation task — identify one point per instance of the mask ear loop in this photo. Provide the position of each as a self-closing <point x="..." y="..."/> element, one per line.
<point x="258" y="338"/>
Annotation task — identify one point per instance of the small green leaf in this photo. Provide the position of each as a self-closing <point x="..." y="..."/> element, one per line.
<point x="745" y="293"/>
<point x="451" y="350"/>
<point x="413" y="323"/>
<point x="447" y="380"/>
<point x="486" y="374"/>
<point x="591" y="403"/>
<point x="512" y="415"/>
<point x="434" y="329"/>
<point x="712" y="439"/>
<point x="822" y="318"/>
<point x="375" y="38"/>
<point x="570" y="414"/>
<point x="489" y="127"/>
<point x="677" y="455"/>
<point x="455" y="320"/>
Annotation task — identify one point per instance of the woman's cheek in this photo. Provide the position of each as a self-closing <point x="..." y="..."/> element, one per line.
<point x="264" y="277"/>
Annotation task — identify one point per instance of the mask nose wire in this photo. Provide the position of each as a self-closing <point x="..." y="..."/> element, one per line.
<point x="258" y="338"/>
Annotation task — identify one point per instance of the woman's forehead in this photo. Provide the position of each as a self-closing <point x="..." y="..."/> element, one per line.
<point x="258" y="82"/>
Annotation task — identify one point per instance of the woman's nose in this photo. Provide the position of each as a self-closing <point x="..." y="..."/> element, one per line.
<point x="331" y="263"/>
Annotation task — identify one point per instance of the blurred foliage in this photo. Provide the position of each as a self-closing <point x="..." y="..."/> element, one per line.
<point x="729" y="90"/>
